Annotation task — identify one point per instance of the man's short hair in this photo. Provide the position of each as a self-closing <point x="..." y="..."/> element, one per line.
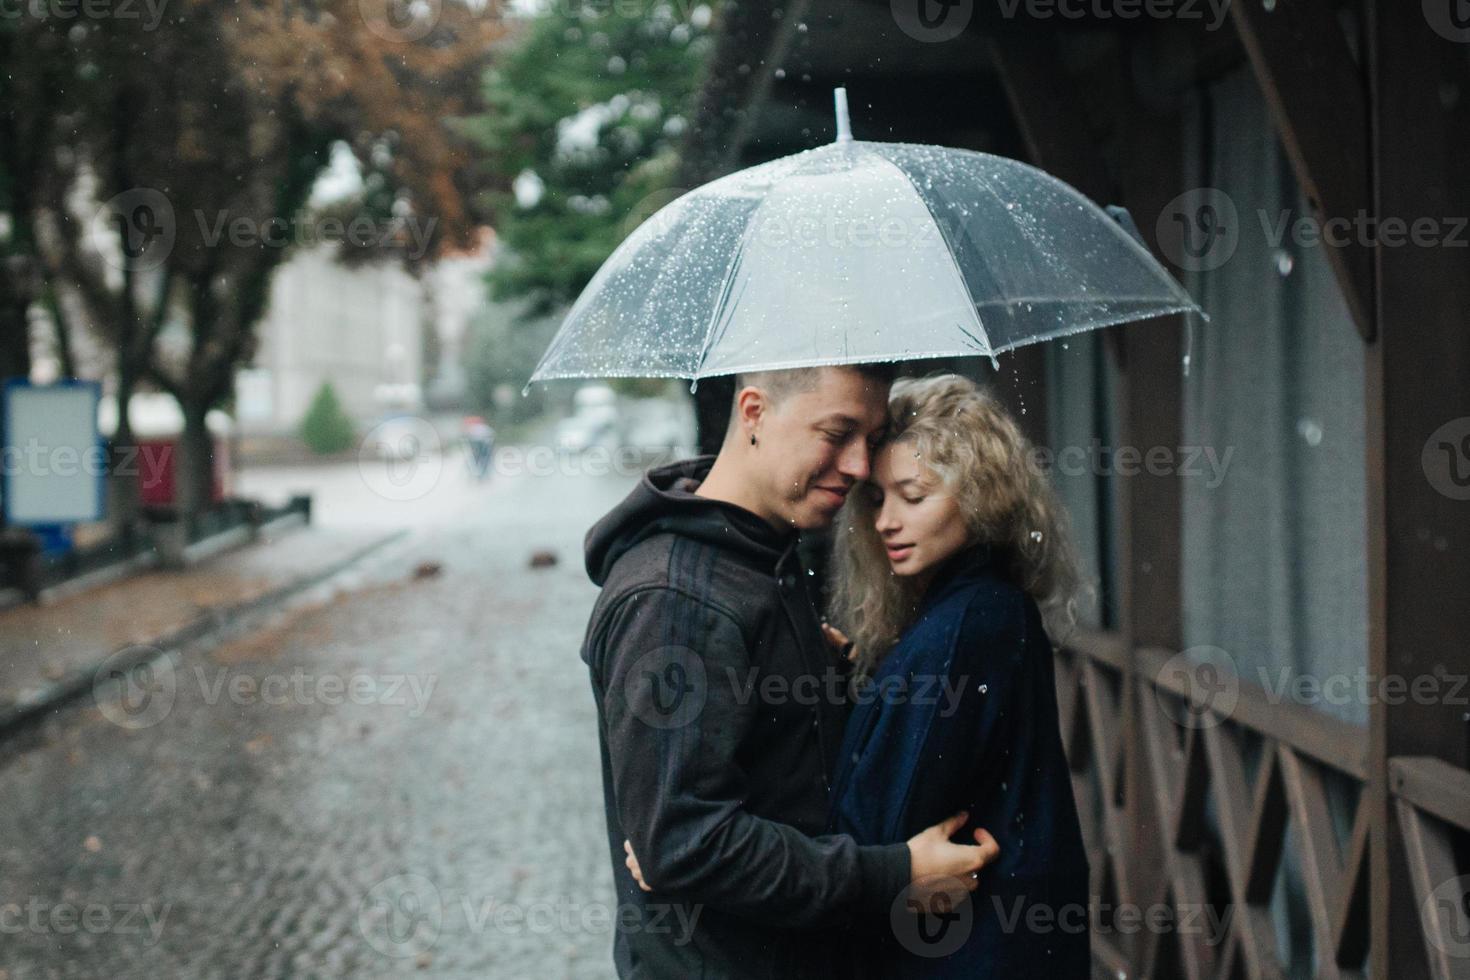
<point x="782" y="384"/>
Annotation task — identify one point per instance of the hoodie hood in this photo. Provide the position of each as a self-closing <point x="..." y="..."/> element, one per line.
<point x="664" y="501"/>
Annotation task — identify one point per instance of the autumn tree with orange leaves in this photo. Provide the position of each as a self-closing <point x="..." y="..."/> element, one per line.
<point x="155" y="171"/>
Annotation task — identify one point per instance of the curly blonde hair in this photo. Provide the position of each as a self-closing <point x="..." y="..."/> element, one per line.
<point x="971" y="444"/>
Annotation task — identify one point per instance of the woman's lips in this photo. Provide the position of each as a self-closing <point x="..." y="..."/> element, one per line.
<point x="899" y="552"/>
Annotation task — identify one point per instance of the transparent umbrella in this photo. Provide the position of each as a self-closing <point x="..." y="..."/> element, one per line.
<point x="855" y="252"/>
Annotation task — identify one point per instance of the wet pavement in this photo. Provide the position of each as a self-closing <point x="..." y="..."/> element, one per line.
<point x="395" y="774"/>
<point x="49" y="647"/>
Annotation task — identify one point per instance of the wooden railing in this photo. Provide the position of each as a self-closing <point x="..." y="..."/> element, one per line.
<point x="1432" y="797"/>
<point x="1230" y="787"/>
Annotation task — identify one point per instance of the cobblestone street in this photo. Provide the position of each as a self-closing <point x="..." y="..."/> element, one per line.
<point x="394" y="774"/>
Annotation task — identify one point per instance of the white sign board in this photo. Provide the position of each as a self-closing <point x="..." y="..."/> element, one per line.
<point x="54" y="464"/>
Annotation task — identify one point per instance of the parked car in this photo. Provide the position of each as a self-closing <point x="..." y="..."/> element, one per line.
<point x="593" y="422"/>
<point x="579" y="433"/>
<point x="400" y="437"/>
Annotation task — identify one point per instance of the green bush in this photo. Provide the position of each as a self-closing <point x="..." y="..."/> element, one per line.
<point x="326" y="427"/>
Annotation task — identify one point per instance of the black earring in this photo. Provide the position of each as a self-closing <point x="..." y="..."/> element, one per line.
<point x="752" y="438"/>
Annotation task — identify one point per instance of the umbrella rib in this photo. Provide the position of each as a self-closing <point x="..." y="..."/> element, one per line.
<point x="1108" y="321"/>
<point x="1063" y="300"/>
<point x="984" y="339"/>
<point x="709" y="333"/>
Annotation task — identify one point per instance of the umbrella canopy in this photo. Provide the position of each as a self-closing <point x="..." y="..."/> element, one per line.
<point x="857" y="252"/>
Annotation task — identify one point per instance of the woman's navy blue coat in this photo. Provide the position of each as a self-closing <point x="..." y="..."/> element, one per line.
<point x="962" y="715"/>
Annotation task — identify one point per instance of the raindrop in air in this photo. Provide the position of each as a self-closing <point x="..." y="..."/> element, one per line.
<point x="1284" y="262"/>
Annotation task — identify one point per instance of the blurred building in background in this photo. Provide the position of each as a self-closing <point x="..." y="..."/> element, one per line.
<point x="457" y="292"/>
<point x="384" y="339"/>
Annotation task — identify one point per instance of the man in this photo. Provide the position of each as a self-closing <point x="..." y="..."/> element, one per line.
<point x="720" y="705"/>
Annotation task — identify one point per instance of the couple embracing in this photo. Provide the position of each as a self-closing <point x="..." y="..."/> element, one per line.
<point x="782" y="798"/>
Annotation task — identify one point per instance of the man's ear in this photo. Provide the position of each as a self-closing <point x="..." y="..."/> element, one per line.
<point x="751" y="405"/>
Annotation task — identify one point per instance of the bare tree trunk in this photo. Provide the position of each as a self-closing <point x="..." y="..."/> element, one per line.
<point x="15" y="301"/>
<point x="194" y="468"/>
<point x="126" y="488"/>
<point x="64" y="353"/>
<point x="15" y="335"/>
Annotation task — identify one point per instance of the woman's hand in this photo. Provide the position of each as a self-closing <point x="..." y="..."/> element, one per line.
<point x="632" y="862"/>
<point x="839" y="643"/>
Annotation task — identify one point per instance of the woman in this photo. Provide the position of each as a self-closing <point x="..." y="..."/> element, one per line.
<point x="944" y="563"/>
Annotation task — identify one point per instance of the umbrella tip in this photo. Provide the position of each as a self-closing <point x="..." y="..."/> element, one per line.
<point x="844" y="124"/>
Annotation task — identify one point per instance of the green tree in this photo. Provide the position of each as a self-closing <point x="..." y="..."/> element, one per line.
<point x="587" y="109"/>
<point x="326" y="428"/>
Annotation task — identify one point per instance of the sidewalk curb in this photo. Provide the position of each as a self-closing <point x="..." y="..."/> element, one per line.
<point x="14" y="718"/>
<point x="195" y="553"/>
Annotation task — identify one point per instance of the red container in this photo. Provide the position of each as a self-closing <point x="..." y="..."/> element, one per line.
<point x="156" y="477"/>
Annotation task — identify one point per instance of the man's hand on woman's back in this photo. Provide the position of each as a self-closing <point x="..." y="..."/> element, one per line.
<point x="943" y="873"/>
<point x="941" y="870"/>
